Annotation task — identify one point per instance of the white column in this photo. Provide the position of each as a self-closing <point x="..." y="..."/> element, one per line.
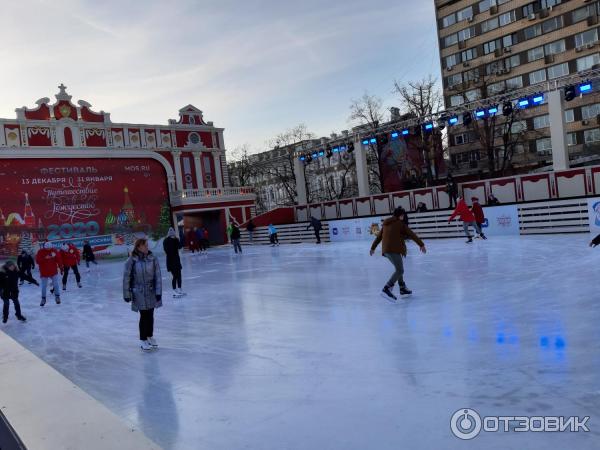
<point x="177" y="164"/>
<point x="362" y="171"/>
<point x="300" y="181"/>
<point x="199" y="174"/>
<point x="218" y="171"/>
<point x="558" y="135"/>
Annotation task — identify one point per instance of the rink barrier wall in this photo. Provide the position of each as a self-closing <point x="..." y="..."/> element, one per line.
<point x="294" y="233"/>
<point x="557" y="185"/>
<point x="9" y="439"/>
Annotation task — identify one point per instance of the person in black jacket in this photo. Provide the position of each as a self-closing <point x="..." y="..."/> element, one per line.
<point x="317" y="226"/>
<point x="25" y="264"/>
<point x="171" y="246"/>
<point x="88" y="255"/>
<point x="250" y="228"/>
<point x="235" y="237"/>
<point x="9" y="290"/>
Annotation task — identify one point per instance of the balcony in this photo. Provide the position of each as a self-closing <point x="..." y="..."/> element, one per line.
<point x="212" y="195"/>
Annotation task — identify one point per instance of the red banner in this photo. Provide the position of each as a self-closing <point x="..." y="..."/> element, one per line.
<point x="59" y="199"/>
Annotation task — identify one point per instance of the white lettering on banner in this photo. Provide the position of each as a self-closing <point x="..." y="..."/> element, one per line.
<point x="72" y="201"/>
<point x="67" y="170"/>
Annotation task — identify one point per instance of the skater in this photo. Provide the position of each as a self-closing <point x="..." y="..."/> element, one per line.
<point x="49" y="264"/>
<point x="467" y="217"/>
<point x="205" y="241"/>
<point x="142" y="286"/>
<point x="452" y="191"/>
<point x="235" y="237"/>
<point x="171" y="246"/>
<point x="273" y="235"/>
<point x="250" y="228"/>
<point x="25" y="263"/>
<point x="393" y="234"/>
<point x="9" y="290"/>
<point x="199" y="237"/>
<point x="421" y="207"/>
<point x="70" y="259"/>
<point x="492" y="200"/>
<point x="88" y="255"/>
<point x="317" y="226"/>
<point x="477" y="212"/>
<point x="190" y="237"/>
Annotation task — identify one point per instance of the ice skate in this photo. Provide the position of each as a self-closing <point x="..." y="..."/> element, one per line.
<point x="405" y="291"/>
<point x="145" y="346"/>
<point x="57" y="299"/>
<point x="483" y="237"/>
<point x="4" y="319"/>
<point x="43" y="302"/>
<point x="469" y="240"/>
<point x="152" y="342"/>
<point x="180" y="292"/>
<point x="386" y="293"/>
<point x="64" y="287"/>
<point x="22" y="318"/>
<point x="79" y="285"/>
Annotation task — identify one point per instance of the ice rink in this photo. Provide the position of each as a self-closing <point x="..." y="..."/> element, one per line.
<point x="294" y="348"/>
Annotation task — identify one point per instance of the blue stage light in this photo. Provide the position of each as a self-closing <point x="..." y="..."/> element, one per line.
<point x="314" y="155"/>
<point x="395" y="135"/>
<point x="492" y="110"/>
<point x="537" y="99"/>
<point x="523" y="103"/>
<point x="321" y="153"/>
<point x="302" y="158"/>
<point x="480" y="113"/>
<point x="453" y="120"/>
<point x="373" y="141"/>
<point x="405" y="132"/>
<point x="585" y="87"/>
<point x="428" y="126"/>
<point x="365" y="142"/>
<point x="337" y="149"/>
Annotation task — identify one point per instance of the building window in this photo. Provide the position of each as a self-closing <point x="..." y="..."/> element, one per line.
<point x="592" y="135"/>
<point x="518" y="127"/>
<point x="473" y="94"/>
<point x="509" y="40"/>
<point x="587" y="62"/>
<point x="583" y="13"/>
<point x="469" y="54"/>
<point x="472" y="75"/>
<point x="571" y="139"/>
<point x="448" y="20"/>
<point x="558" y="71"/>
<point x="549" y="3"/>
<point x="555" y="47"/>
<point x="553" y="24"/>
<point x="493" y="68"/>
<point x="528" y="9"/>
<point x="587" y="37"/>
<point x="543" y="145"/>
<point x="569" y="115"/>
<point x="460" y="139"/>
<point x="514" y="83"/>
<point x="464" y="14"/>
<point x="489" y="25"/>
<point x="535" y="53"/>
<point x="491" y="46"/>
<point x="450" y="40"/>
<point x="537" y="77"/>
<point x="485" y="5"/>
<point x="465" y="34"/>
<point x="496" y="88"/>
<point x="541" y="122"/>
<point x="507" y="17"/>
<point x="590" y="111"/>
<point x="453" y="80"/>
<point x="513" y="61"/>
<point x="452" y="60"/>
<point x="456" y="100"/>
<point x="533" y="31"/>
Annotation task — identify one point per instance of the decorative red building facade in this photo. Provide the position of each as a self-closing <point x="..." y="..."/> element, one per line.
<point x="68" y="168"/>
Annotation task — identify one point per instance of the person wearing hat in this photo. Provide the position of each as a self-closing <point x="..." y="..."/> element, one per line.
<point x="478" y="213"/>
<point x="393" y="233"/>
<point x="171" y="246"/>
<point x="49" y="263"/>
<point x="9" y="290"/>
<point x="468" y="219"/>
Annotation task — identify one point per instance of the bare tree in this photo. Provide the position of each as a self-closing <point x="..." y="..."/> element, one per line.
<point x="367" y="113"/>
<point x="424" y="101"/>
<point x="241" y="167"/>
<point x="339" y="165"/>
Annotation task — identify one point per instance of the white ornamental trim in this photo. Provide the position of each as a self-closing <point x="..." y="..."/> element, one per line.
<point x="37" y="131"/>
<point x="94" y="132"/>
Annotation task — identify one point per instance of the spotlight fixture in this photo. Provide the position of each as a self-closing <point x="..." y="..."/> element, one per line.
<point x="328" y="152"/>
<point x="395" y="135"/>
<point x="537" y="99"/>
<point x="417" y="130"/>
<point x="405" y="132"/>
<point x="308" y="159"/>
<point x="365" y="142"/>
<point x="302" y="157"/>
<point x="373" y="141"/>
<point x="492" y="110"/>
<point x="441" y="123"/>
<point x="507" y="108"/>
<point x="467" y="118"/>
<point x="480" y="113"/>
<point x="428" y="127"/>
<point x="570" y="93"/>
<point x="350" y="147"/>
<point x="315" y="155"/>
<point x="338" y="149"/>
<point x="585" y="88"/>
<point x="452" y="120"/>
<point x="523" y="102"/>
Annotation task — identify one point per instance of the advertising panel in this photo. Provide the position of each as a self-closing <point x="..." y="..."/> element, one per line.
<point x="501" y="220"/>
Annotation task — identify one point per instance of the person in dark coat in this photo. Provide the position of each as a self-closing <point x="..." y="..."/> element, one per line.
<point x="478" y="212"/>
<point x="421" y="207"/>
<point x="25" y="264"/>
<point x="9" y="290"/>
<point x="250" y="228"/>
<point x="88" y="255"/>
<point x="317" y="227"/>
<point x="142" y="287"/>
<point x="492" y="200"/>
<point x="235" y="237"/>
<point x="171" y="246"/>
<point x="452" y="191"/>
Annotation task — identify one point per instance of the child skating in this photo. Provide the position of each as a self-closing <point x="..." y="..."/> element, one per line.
<point x="393" y="233"/>
<point x="9" y="290"/>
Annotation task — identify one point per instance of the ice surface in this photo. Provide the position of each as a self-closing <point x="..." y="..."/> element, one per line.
<point x="293" y="347"/>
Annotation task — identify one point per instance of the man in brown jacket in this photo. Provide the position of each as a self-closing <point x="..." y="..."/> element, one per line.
<point x="393" y="233"/>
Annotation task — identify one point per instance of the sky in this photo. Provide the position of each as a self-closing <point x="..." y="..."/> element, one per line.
<point x="255" y="68"/>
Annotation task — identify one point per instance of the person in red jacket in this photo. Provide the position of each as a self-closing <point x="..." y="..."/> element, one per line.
<point x="478" y="213"/>
<point x="49" y="264"/>
<point x="70" y="258"/>
<point x="467" y="217"/>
